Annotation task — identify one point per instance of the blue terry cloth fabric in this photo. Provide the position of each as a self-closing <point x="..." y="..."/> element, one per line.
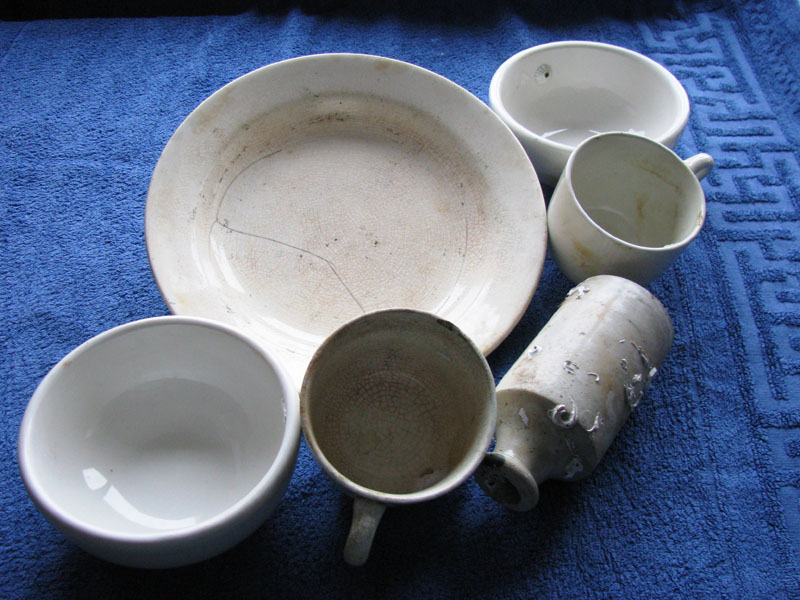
<point x="699" y="496"/>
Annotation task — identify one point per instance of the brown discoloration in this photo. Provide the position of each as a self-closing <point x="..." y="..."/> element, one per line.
<point x="386" y="64"/>
<point x="586" y="256"/>
<point x="658" y="172"/>
<point x="641" y="202"/>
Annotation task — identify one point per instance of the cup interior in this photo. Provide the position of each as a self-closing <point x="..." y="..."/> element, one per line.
<point x="399" y="402"/>
<point x="153" y="428"/>
<point x="637" y="191"/>
<point x="567" y="92"/>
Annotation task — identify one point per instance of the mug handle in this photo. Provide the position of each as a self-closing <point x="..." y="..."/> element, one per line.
<point x="700" y="164"/>
<point x="366" y="516"/>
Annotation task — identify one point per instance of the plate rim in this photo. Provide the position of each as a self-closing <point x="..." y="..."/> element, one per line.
<point x="513" y="313"/>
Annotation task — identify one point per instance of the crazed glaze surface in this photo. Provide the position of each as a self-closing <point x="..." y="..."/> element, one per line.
<point x="317" y="189"/>
<point x="398" y="406"/>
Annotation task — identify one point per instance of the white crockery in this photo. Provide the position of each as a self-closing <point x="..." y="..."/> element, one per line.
<point x="398" y="406"/>
<point x="317" y="189"/>
<point x="161" y="442"/>
<point x="556" y="95"/>
<point x="562" y="403"/>
<point x="625" y="205"/>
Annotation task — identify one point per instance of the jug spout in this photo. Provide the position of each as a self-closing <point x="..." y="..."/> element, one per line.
<point x="508" y="480"/>
<point x="528" y="451"/>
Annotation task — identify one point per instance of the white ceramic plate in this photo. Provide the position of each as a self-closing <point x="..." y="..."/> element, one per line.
<point x="313" y="190"/>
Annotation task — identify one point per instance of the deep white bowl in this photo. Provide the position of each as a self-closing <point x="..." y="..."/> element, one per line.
<point x="556" y="95"/>
<point x="161" y="442"/>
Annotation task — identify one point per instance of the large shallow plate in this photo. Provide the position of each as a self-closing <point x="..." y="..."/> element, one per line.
<point x="313" y="190"/>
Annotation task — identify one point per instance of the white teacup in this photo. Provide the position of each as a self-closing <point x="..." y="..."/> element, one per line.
<point x="398" y="406"/>
<point x="161" y="442"/>
<point x="625" y="205"/>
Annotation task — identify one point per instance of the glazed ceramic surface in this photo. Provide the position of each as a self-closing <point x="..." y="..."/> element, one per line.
<point x="625" y="205"/>
<point x="556" y="95"/>
<point x="317" y="189"/>
<point x="398" y="406"/>
<point x="161" y="442"/>
<point x="562" y="403"/>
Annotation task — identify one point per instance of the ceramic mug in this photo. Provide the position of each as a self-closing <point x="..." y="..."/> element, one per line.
<point x="398" y="406"/>
<point x="562" y="403"/>
<point x="625" y="205"/>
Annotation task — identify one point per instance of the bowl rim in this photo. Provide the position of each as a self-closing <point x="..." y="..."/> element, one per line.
<point x="496" y="102"/>
<point x="271" y="479"/>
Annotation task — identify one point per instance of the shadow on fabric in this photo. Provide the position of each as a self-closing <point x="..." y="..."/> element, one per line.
<point x="536" y="11"/>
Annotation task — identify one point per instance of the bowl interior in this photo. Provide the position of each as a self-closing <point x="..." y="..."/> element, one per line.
<point x="157" y="428"/>
<point x="399" y="403"/>
<point x="567" y="93"/>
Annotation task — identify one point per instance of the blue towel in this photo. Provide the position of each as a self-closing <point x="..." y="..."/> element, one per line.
<point x="698" y="497"/>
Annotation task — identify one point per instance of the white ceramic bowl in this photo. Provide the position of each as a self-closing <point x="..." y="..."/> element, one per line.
<point x="161" y="442"/>
<point x="556" y="95"/>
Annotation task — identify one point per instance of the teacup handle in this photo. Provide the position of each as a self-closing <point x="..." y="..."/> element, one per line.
<point x="366" y="516"/>
<point x="700" y="164"/>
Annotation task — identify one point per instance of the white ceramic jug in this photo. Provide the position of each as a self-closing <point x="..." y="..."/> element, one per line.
<point x="564" y="400"/>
